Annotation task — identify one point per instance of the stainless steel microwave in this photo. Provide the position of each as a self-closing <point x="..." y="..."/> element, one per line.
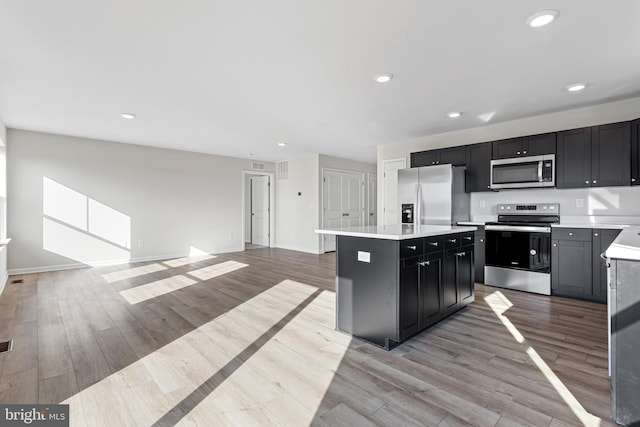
<point x="524" y="172"/>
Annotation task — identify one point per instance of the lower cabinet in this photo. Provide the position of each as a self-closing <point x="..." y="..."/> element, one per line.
<point x="576" y="267"/>
<point x="478" y="254"/>
<point x="389" y="290"/>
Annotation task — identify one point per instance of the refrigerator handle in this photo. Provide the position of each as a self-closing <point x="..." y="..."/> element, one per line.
<point x="418" y="210"/>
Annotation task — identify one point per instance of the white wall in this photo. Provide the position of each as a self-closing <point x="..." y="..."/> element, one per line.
<point x="3" y="205"/>
<point x="174" y="200"/>
<point x="297" y="216"/>
<point x="588" y="116"/>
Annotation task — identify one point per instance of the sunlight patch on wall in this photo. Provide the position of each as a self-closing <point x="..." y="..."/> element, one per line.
<point x="156" y="289"/>
<point x="499" y="303"/>
<point x="80" y="228"/>
<point x="601" y="201"/>
<point x="216" y="270"/>
<point x="195" y="255"/>
<point x="133" y="272"/>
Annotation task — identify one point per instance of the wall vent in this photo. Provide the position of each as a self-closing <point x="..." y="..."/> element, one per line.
<point x="15" y="281"/>
<point x="283" y="170"/>
<point x="257" y="166"/>
<point x="6" y="346"/>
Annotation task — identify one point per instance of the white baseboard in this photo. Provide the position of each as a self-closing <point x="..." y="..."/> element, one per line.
<point x="72" y="266"/>
<point x="299" y="249"/>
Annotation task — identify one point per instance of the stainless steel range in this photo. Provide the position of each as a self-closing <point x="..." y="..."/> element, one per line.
<point x="518" y="247"/>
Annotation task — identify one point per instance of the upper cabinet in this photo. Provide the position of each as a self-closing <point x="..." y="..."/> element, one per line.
<point x="635" y="152"/>
<point x="523" y="146"/>
<point x="456" y="156"/>
<point x="478" y="173"/>
<point x="598" y="156"/>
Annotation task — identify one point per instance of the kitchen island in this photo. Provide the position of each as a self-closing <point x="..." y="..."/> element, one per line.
<point x="393" y="281"/>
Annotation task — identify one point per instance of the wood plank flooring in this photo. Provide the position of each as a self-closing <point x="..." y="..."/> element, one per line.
<point x="248" y="339"/>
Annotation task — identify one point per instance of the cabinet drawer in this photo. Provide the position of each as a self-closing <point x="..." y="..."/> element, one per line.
<point x="433" y="244"/>
<point x="452" y="241"/>
<point x="467" y="238"/>
<point x="577" y="234"/>
<point x="411" y="247"/>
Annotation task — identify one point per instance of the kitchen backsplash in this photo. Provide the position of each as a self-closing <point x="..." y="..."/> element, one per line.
<point x="605" y="205"/>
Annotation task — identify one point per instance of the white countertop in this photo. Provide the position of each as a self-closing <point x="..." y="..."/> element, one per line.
<point x="626" y="245"/>
<point x="589" y="225"/>
<point x="396" y="231"/>
<point x="475" y="223"/>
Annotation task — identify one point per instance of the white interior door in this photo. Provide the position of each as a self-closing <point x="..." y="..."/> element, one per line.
<point x="343" y="204"/>
<point x="391" y="210"/>
<point x="260" y="210"/>
<point x="372" y="200"/>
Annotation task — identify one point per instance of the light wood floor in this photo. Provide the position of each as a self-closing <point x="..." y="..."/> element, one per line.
<point x="248" y="339"/>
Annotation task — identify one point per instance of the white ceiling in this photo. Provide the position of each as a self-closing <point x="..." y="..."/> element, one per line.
<point x="234" y="77"/>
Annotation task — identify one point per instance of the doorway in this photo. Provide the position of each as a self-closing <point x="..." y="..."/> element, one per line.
<point x="342" y="202"/>
<point x="257" y="208"/>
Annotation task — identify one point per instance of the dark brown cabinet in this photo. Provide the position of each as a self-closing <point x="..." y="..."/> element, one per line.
<point x="478" y="173"/>
<point x="478" y="254"/>
<point x="576" y="267"/>
<point x="389" y="290"/>
<point x="456" y="156"/>
<point x="635" y="152"/>
<point x="523" y="146"/>
<point x="598" y="156"/>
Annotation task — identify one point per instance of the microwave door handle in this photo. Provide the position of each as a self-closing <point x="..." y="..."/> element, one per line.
<point x="540" y="171"/>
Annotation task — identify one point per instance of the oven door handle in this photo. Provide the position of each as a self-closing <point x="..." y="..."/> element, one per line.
<point x="517" y="228"/>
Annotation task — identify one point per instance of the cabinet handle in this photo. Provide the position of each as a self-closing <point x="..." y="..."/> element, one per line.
<point x="481" y="240"/>
<point x="555" y="245"/>
<point x="570" y="234"/>
<point x="524" y="152"/>
<point x="586" y="182"/>
<point x="467" y="237"/>
<point x="451" y="240"/>
<point x="633" y="180"/>
<point x="433" y="244"/>
<point x="518" y="153"/>
<point x="595" y="234"/>
<point x="425" y="263"/>
<point x="461" y="254"/>
<point x="413" y="248"/>
<point x="595" y="182"/>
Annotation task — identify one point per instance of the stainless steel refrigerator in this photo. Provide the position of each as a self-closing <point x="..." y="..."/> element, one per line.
<point x="433" y="195"/>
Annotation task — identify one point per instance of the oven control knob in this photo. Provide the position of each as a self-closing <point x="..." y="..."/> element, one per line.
<point x="533" y="252"/>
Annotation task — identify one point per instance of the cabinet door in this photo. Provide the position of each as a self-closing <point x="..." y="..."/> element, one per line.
<point x="508" y="148"/>
<point x="537" y="145"/>
<point x="456" y="156"/>
<point x="602" y="239"/>
<point x="573" y="159"/>
<point x="450" y="292"/>
<point x="478" y="255"/>
<point x="635" y="152"/>
<point x="408" y="304"/>
<point x="571" y="274"/>
<point x="465" y="274"/>
<point x="611" y="155"/>
<point x="431" y="299"/>
<point x="478" y="167"/>
<point x="424" y="158"/>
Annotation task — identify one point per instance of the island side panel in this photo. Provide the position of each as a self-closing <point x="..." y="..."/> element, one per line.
<point x="366" y="288"/>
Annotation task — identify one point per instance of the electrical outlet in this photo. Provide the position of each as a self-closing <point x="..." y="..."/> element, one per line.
<point x="482" y="204"/>
<point x="579" y="203"/>
<point x="140" y="243"/>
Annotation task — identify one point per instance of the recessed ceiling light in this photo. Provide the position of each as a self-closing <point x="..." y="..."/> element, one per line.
<point x="127" y="116"/>
<point x="383" y="78"/>
<point x="576" y="87"/>
<point x="542" y="18"/>
<point x="454" y="114"/>
<point x="282" y="144"/>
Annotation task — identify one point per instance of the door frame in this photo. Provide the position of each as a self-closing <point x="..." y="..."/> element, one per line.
<point x="382" y="211"/>
<point x="271" y="175"/>
<point x="362" y="197"/>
